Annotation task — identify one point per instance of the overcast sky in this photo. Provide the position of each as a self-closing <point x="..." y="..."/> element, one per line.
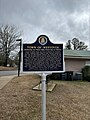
<point x="60" y="20"/>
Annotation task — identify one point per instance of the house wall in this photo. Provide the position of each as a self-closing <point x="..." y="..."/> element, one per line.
<point x="87" y="62"/>
<point x="72" y="64"/>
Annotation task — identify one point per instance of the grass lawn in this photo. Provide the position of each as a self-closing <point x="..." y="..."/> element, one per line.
<point x="68" y="101"/>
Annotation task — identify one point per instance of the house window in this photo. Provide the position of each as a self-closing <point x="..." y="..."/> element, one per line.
<point x="87" y="62"/>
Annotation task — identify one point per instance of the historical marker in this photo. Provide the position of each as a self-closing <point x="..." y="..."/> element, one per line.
<point x="42" y="56"/>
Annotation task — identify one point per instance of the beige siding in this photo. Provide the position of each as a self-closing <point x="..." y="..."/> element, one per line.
<point x="74" y="64"/>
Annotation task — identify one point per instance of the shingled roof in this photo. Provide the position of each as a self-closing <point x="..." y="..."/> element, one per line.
<point x="82" y="54"/>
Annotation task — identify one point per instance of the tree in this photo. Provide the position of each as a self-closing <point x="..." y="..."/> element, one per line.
<point x="68" y="45"/>
<point x="16" y="60"/>
<point x="75" y="44"/>
<point x="82" y="46"/>
<point x="8" y="36"/>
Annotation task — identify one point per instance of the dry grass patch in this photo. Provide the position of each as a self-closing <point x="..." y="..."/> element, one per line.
<point x="2" y="68"/>
<point x="68" y="101"/>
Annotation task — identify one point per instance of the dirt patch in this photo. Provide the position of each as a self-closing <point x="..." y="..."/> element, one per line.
<point x="2" y="68"/>
<point x="68" y="100"/>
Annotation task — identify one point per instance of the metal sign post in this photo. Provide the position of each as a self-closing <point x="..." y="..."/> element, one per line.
<point x="43" y="96"/>
<point x="19" y="65"/>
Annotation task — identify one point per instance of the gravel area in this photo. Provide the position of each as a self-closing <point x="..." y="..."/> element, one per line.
<point x="68" y="100"/>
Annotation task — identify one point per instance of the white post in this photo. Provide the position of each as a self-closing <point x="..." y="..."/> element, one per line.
<point x="43" y="96"/>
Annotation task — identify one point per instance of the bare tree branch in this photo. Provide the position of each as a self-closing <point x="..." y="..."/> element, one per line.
<point x="8" y="36"/>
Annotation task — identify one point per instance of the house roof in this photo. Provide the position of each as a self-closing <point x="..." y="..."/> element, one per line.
<point x="82" y="54"/>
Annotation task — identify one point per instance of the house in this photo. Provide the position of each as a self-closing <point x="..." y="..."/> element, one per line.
<point x="75" y="60"/>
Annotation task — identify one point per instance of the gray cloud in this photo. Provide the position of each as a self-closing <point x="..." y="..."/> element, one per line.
<point x="59" y="19"/>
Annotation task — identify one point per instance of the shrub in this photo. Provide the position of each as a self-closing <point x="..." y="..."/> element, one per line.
<point x="86" y="73"/>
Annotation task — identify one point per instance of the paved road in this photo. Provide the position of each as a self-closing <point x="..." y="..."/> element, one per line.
<point x="4" y="73"/>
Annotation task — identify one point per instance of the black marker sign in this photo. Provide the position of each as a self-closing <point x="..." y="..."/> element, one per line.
<point x="42" y="56"/>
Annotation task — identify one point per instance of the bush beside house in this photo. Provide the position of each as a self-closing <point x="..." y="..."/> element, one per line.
<point x="86" y="73"/>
